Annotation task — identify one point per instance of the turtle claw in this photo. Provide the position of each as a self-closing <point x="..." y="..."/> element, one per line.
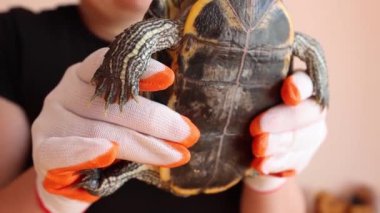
<point x="95" y="182"/>
<point x="108" y="88"/>
<point x="113" y="90"/>
<point x="322" y="98"/>
<point x="90" y="180"/>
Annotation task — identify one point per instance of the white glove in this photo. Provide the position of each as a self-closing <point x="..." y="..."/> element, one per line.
<point x="286" y="136"/>
<point x="73" y="134"/>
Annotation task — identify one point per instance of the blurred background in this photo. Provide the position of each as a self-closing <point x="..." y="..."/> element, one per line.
<point x="349" y="32"/>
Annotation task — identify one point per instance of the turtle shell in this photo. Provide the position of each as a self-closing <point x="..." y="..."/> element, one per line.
<point x="229" y="69"/>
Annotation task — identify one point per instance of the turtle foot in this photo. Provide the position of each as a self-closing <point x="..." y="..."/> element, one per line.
<point x="115" y="90"/>
<point x="90" y="180"/>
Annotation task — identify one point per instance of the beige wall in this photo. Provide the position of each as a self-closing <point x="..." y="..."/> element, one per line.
<point x="349" y="31"/>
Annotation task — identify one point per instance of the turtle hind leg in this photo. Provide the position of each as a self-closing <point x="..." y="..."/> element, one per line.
<point x="103" y="182"/>
<point x="310" y="51"/>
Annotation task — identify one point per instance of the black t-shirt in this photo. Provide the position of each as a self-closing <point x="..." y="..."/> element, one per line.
<point x="35" y="50"/>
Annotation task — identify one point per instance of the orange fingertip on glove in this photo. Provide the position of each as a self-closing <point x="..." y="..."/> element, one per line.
<point x="60" y="181"/>
<point x="185" y="155"/>
<point x="160" y="80"/>
<point x="283" y="174"/>
<point x="193" y="136"/>
<point x="260" y="144"/>
<point x="257" y="164"/>
<point x="255" y="127"/>
<point x="182" y="146"/>
<point x="296" y="88"/>
<point x="290" y="93"/>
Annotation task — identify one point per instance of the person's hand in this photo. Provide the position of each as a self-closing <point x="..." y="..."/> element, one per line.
<point x="73" y="134"/>
<point x="286" y="136"/>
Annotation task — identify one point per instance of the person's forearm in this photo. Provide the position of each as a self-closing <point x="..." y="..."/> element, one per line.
<point x="288" y="198"/>
<point x="14" y="141"/>
<point x="20" y="195"/>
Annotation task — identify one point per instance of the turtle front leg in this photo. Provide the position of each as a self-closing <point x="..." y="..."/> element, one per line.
<point x="117" y="79"/>
<point x="310" y="51"/>
<point x="103" y="182"/>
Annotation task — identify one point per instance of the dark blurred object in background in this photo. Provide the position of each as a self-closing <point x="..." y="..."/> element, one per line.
<point x="358" y="200"/>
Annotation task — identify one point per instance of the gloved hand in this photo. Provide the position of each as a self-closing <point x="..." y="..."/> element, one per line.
<point x="286" y="136"/>
<point x="73" y="134"/>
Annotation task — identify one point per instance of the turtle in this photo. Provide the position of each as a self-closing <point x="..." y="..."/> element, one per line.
<point x="230" y="58"/>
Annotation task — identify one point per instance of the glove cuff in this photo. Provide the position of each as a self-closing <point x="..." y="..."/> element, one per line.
<point x="265" y="184"/>
<point x="51" y="203"/>
<point x="40" y="203"/>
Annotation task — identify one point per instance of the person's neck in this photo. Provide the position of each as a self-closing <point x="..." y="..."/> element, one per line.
<point x="104" y="27"/>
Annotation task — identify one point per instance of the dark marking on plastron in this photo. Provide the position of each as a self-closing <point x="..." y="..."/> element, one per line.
<point x="203" y="164"/>
<point x="210" y="23"/>
<point x="196" y="66"/>
<point x="274" y="32"/>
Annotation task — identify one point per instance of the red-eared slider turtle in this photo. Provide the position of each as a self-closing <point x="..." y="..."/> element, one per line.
<point x="230" y="57"/>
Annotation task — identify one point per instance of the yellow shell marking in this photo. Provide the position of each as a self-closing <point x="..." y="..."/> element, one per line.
<point x="194" y="12"/>
<point x="184" y="192"/>
<point x="222" y="188"/>
<point x="195" y="191"/>
<point x="164" y="174"/>
<point x="232" y="18"/>
<point x="291" y="30"/>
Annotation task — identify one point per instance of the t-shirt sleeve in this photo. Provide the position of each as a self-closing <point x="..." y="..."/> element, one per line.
<point x="8" y="57"/>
